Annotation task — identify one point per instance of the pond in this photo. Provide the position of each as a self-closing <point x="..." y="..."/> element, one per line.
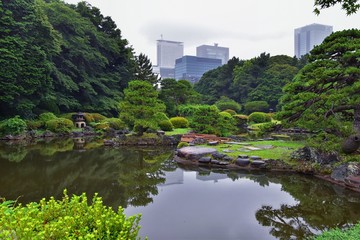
<point x="177" y="202"/>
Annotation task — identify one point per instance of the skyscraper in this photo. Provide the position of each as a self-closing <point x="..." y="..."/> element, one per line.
<point x="167" y="53"/>
<point x="208" y="51"/>
<point x="192" y="68"/>
<point x="305" y="38"/>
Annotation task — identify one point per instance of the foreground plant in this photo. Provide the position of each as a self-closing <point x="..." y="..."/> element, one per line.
<point x="69" y="218"/>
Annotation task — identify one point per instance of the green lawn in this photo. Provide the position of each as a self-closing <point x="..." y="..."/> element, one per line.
<point x="279" y="149"/>
<point x="178" y="131"/>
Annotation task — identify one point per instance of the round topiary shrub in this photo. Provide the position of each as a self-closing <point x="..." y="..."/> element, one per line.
<point x="259" y="117"/>
<point x="179" y="122"/>
<point x="44" y="117"/>
<point x="34" y="125"/>
<point x="232" y="112"/>
<point x="160" y="116"/>
<point x="256" y="106"/>
<point x="166" y="125"/>
<point x="59" y="125"/>
<point x="14" y="126"/>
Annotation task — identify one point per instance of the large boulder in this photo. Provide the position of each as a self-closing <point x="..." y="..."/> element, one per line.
<point x="351" y="144"/>
<point x="346" y="170"/>
<point x="312" y="155"/>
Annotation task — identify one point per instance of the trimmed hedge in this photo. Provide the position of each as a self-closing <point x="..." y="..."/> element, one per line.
<point x="59" y="125"/>
<point x="259" y="117"/>
<point x="179" y="122"/>
<point x="166" y="125"/>
<point x="14" y="126"/>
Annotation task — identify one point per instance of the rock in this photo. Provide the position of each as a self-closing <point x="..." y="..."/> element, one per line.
<point x="195" y="153"/>
<point x="352" y="181"/>
<point x="255" y="158"/>
<point x="215" y="162"/>
<point x="242" y="162"/>
<point x="228" y="151"/>
<point x="243" y="156"/>
<point x="346" y="170"/>
<point x="227" y="158"/>
<point x="205" y="160"/>
<point x="314" y="156"/>
<point x="198" y="141"/>
<point x="218" y="155"/>
<point x="258" y="163"/>
<point x="213" y="143"/>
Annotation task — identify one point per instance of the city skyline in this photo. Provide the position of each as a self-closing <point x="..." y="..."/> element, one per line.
<point x="247" y="28"/>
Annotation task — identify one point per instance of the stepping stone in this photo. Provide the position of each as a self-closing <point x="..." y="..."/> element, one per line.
<point x="205" y="160"/>
<point x="228" y="150"/>
<point x="252" y="148"/>
<point x="218" y="155"/>
<point x="227" y="158"/>
<point x="213" y="143"/>
<point x="223" y="163"/>
<point x="255" y="158"/>
<point x="243" y="156"/>
<point x="215" y="161"/>
<point x="258" y="163"/>
<point x="242" y="162"/>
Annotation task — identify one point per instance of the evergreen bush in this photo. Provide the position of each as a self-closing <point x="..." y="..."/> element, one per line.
<point x="34" y="124"/>
<point x="44" y="117"/>
<point x="179" y="122"/>
<point x="256" y="106"/>
<point x="69" y="218"/>
<point x="14" y="126"/>
<point x="59" y="125"/>
<point x="232" y="112"/>
<point x="115" y="123"/>
<point x="182" y="144"/>
<point x="259" y="117"/>
<point x="166" y="125"/>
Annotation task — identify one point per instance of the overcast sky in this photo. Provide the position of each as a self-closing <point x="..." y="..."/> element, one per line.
<point x="246" y="27"/>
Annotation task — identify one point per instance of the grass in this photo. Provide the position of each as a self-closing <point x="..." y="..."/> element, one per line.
<point x="178" y="131"/>
<point x="280" y="149"/>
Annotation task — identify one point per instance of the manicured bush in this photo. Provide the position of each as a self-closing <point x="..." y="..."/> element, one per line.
<point x="44" y="117"/>
<point x="226" y="103"/>
<point x="69" y="218"/>
<point x="232" y="112"/>
<point x="259" y="117"/>
<point x="59" y="125"/>
<point x="256" y="106"/>
<point x="179" y="122"/>
<point x="182" y="144"/>
<point x="14" y="126"/>
<point x="34" y="124"/>
<point x="103" y="126"/>
<point x="115" y="123"/>
<point x="93" y="117"/>
<point x="166" y="125"/>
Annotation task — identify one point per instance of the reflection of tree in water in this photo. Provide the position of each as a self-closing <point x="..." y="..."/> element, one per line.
<point x="320" y="206"/>
<point x="121" y="176"/>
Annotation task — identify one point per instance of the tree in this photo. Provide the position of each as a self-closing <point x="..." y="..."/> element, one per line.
<point x="144" y="70"/>
<point x="325" y="94"/>
<point x="139" y="106"/>
<point x="350" y="6"/>
<point x="225" y="103"/>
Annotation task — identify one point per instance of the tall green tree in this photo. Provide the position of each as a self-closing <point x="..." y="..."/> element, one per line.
<point x="325" y="94"/>
<point x="139" y="106"/>
<point x="144" y="70"/>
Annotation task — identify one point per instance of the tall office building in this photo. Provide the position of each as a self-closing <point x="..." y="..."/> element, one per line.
<point x="208" y="51"/>
<point x="167" y="53"/>
<point x="305" y="38"/>
<point x="192" y="68"/>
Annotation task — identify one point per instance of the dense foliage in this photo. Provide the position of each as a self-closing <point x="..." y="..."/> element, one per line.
<point x="324" y="95"/>
<point x="350" y="6"/>
<point x="69" y="218"/>
<point x="350" y="234"/>
<point x="257" y="79"/>
<point x="57" y="57"/>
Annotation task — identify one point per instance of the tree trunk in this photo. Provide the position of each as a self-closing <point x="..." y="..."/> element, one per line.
<point x="357" y="119"/>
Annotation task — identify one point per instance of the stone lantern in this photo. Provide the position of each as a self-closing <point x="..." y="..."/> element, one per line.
<point x="79" y="120"/>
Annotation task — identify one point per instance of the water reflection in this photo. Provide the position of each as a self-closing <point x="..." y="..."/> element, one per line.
<point x="121" y="176"/>
<point x="177" y="203"/>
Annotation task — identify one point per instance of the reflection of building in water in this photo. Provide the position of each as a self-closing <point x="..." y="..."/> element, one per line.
<point x="175" y="177"/>
<point x="211" y="176"/>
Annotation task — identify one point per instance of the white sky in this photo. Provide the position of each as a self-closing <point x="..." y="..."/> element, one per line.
<point x="246" y="27"/>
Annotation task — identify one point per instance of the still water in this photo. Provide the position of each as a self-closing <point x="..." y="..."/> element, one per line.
<point x="177" y="202"/>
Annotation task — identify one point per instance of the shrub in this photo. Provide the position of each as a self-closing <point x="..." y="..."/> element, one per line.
<point x="14" y="126"/>
<point x="115" y="123"/>
<point x="232" y="112"/>
<point x="160" y="116"/>
<point x="350" y="234"/>
<point x="34" y="125"/>
<point x="103" y="126"/>
<point x="44" y="117"/>
<point x="59" y="125"/>
<point x="259" y="117"/>
<point x="256" y="106"/>
<point x="94" y="117"/>
<point x="179" y="122"/>
<point x="241" y="122"/>
<point x="166" y="125"/>
<point x="69" y="218"/>
<point x="226" y="103"/>
<point x="182" y="144"/>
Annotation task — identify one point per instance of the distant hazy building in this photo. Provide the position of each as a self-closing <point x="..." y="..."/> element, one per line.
<point x="167" y="53"/>
<point x="209" y="51"/>
<point x="192" y="68"/>
<point x="305" y="38"/>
